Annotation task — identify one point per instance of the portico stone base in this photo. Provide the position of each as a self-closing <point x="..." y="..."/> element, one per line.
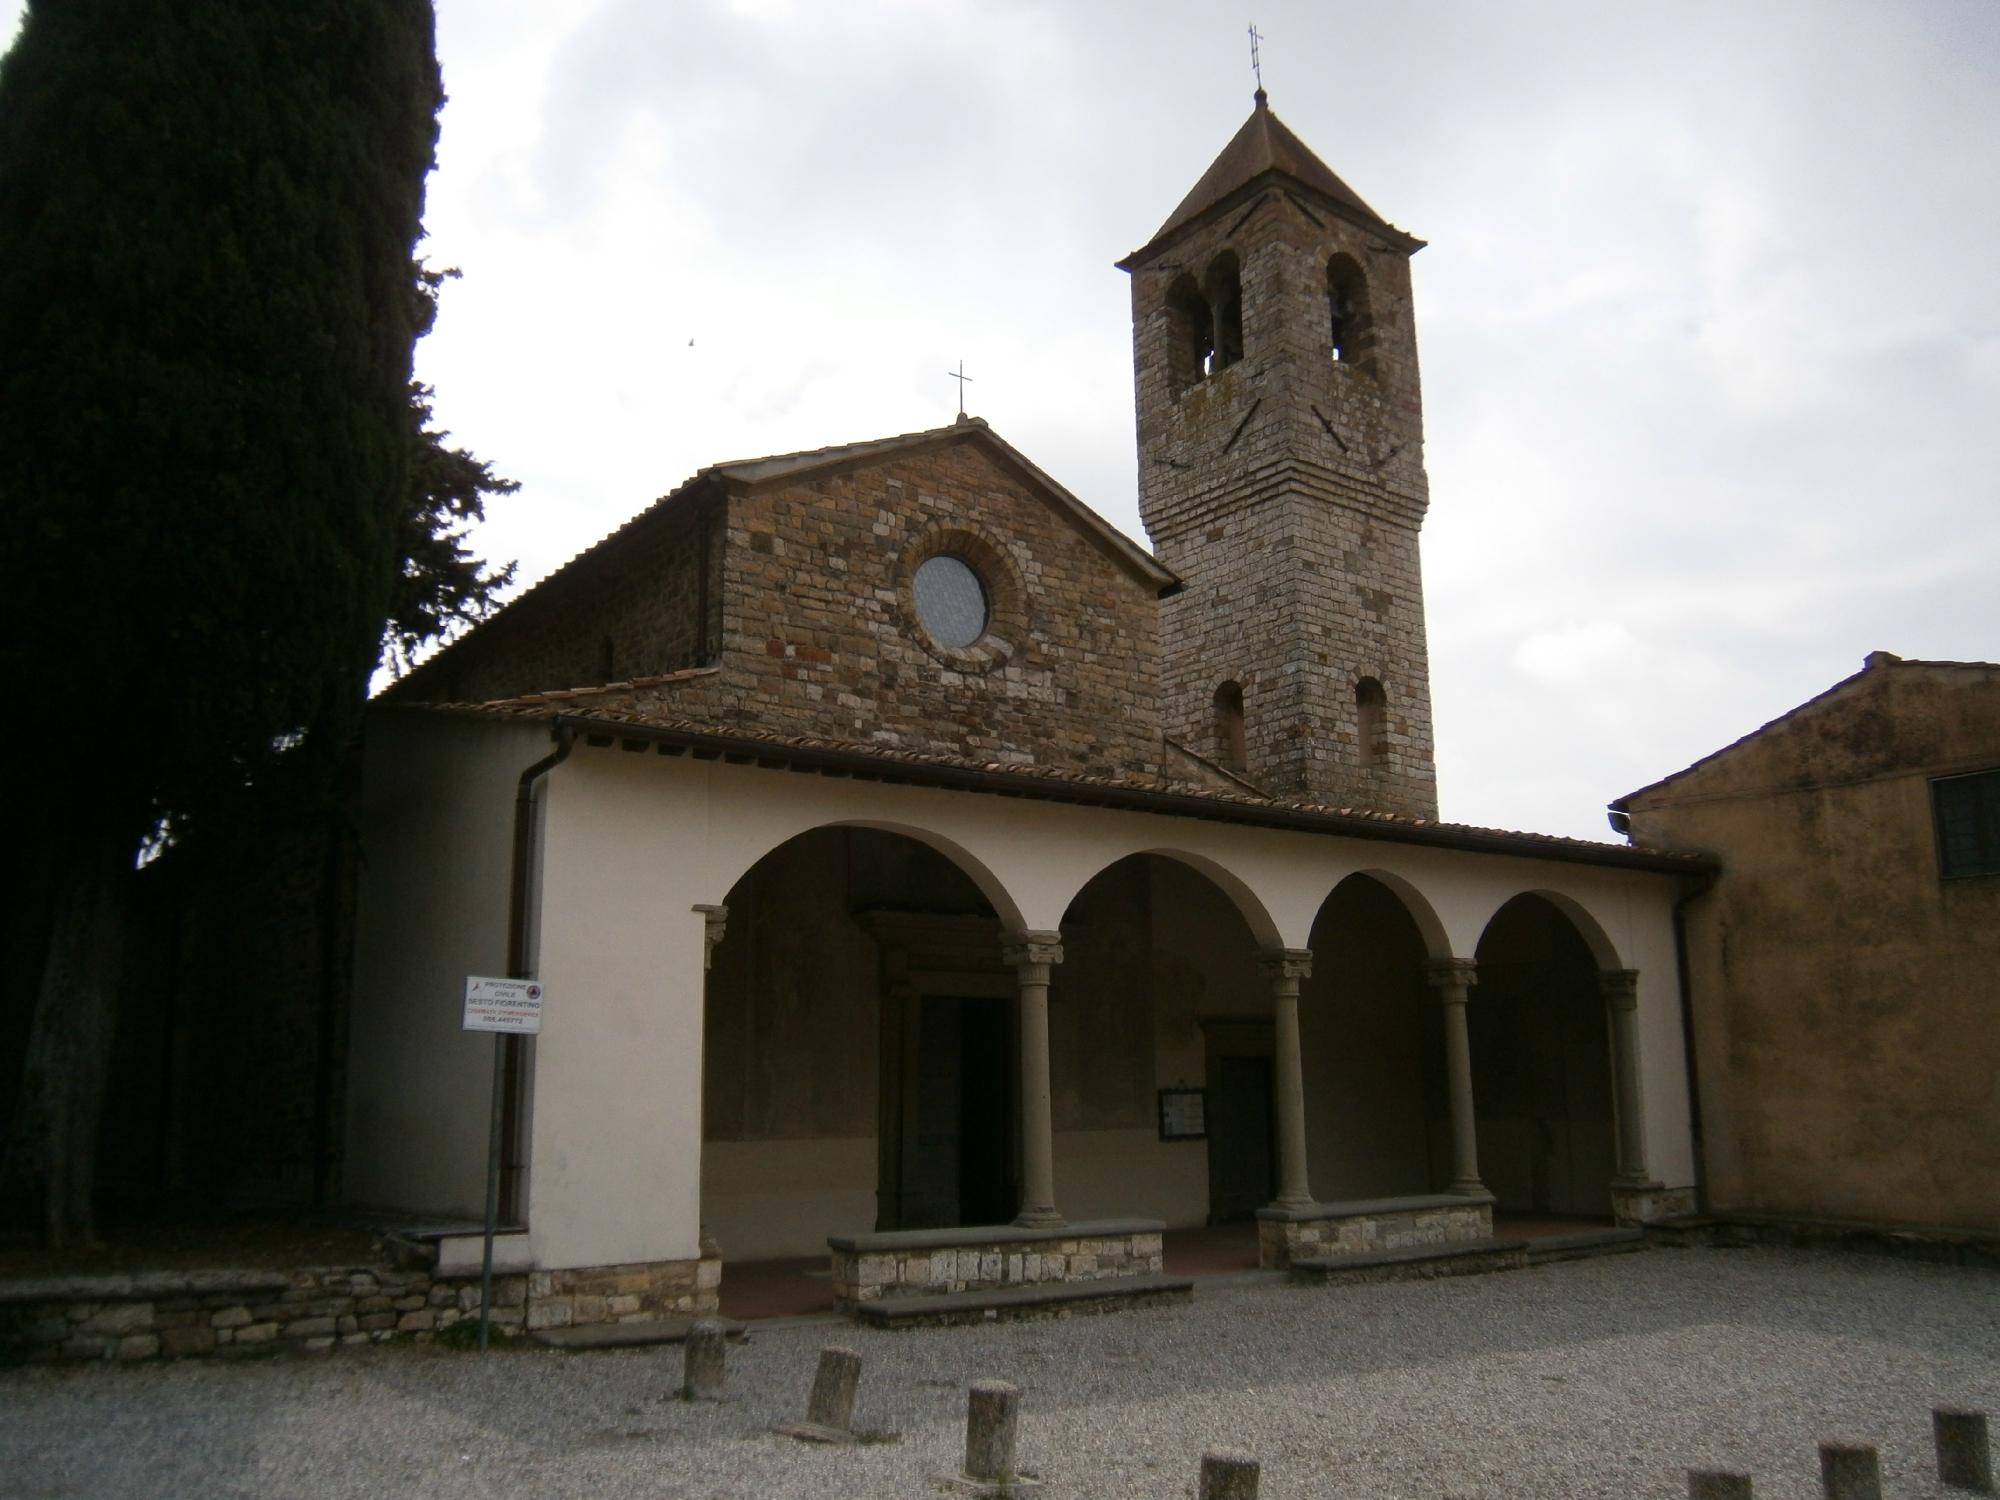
<point x="1314" y="1229"/>
<point x="1646" y="1202"/>
<point x="988" y="1257"/>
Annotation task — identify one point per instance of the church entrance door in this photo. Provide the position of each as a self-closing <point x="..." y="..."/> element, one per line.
<point x="1242" y="1162"/>
<point x="962" y="1171"/>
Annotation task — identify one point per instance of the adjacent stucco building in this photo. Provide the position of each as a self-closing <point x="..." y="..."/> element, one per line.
<point x="1844" y="969"/>
<point x="914" y="862"/>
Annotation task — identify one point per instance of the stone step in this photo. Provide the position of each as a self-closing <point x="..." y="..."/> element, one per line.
<point x="1046" y="1299"/>
<point x="632" y="1335"/>
<point x="1413" y="1263"/>
<point x="1585" y="1243"/>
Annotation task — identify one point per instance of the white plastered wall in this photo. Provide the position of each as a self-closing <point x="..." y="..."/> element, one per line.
<point x="634" y="840"/>
<point x="437" y="825"/>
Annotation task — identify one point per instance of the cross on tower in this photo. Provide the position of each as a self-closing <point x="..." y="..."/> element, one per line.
<point x="961" y="377"/>
<point x="1256" y="66"/>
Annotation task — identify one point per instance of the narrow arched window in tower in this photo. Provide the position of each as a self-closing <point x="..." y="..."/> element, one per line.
<point x="1347" y="306"/>
<point x="1371" y="722"/>
<point x="1230" y="746"/>
<point x="1190" y="334"/>
<point x="1224" y="286"/>
<point x="607" y="659"/>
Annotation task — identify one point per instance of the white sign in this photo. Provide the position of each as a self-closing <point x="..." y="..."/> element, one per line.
<point x="503" y="1005"/>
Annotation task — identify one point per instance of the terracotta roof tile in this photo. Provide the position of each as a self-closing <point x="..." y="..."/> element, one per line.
<point x="587" y="710"/>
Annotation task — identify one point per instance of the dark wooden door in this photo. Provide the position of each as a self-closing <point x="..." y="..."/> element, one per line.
<point x="1240" y="1155"/>
<point x="962" y="1170"/>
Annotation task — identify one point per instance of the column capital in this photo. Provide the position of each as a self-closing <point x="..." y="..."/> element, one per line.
<point x="1291" y="964"/>
<point x="1452" y="975"/>
<point x="1619" y="987"/>
<point x="1020" y="949"/>
<point x="715" y="922"/>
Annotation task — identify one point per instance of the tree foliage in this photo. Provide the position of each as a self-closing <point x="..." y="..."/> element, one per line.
<point x="207" y="215"/>
<point x="440" y="585"/>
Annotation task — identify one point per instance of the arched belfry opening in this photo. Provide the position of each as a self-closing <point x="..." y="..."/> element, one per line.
<point x="1190" y="333"/>
<point x="1347" y="310"/>
<point x="1231" y="745"/>
<point x="1371" y="722"/>
<point x="1224" y="288"/>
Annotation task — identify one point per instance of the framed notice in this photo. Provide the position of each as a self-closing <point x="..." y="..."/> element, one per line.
<point x="1183" y="1114"/>
<point x="503" y="1005"/>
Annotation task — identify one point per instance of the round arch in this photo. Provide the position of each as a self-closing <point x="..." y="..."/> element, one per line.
<point x="1437" y="941"/>
<point x="1372" y="1044"/>
<point x="1595" y="938"/>
<point x="1249" y="905"/>
<point x="1542" y="1074"/>
<point x="991" y="887"/>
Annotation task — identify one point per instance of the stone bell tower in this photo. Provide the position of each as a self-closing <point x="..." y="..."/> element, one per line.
<point x="1281" y="475"/>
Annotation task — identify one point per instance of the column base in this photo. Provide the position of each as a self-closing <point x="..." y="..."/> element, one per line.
<point x="1638" y="1201"/>
<point x="1469" y="1187"/>
<point x="1038" y="1218"/>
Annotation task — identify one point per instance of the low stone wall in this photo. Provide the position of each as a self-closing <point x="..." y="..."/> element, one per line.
<point x="1288" y="1234"/>
<point x="621" y="1294"/>
<point x="929" y="1262"/>
<point x="173" y="1315"/>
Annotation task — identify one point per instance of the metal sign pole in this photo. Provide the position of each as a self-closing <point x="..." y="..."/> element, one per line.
<point x="505" y="1007"/>
<point x="492" y="1187"/>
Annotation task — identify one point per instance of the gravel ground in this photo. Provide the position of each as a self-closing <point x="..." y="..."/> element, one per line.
<point x="1594" y="1378"/>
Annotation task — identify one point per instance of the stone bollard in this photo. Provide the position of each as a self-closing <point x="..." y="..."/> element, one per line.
<point x="830" y="1408"/>
<point x="832" y="1402"/>
<point x="1228" y="1474"/>
<point x="1718" y="1484"/>
<point x="701" y="1372"/>
<point x="992" y="1417"/>
<point x="1850" y="1471"/>
<point x="1964" y="1461"/>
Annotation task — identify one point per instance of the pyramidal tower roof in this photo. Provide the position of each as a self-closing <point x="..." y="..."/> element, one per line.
<point x="1265" y="148"/>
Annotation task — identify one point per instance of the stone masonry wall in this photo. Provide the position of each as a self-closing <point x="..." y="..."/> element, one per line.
<point x="866" y="1274"/>
<point x="1280" y="1241"/>
<point x="173" y="1315"/>
<point x="642" y="602"/>
<point x="820" y="634"/>
<point x="1288" y="490"/>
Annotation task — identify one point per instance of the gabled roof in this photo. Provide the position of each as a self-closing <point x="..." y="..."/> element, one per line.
<point x="743" y="475"/>
<point x="1876" y="661"/>
<point x="1264" y="150"/>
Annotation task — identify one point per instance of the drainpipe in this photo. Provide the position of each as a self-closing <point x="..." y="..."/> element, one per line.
<point x="519" y="894"/>
<point x="1687" y="1039"/>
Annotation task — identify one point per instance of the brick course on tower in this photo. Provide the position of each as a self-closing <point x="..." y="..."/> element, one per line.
<point x="1280" y="434"/>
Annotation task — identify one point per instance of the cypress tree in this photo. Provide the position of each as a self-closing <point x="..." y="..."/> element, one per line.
<point x="207" y="215"/>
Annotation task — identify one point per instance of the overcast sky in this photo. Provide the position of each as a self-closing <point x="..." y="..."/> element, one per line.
<point x="1709" y="321"/>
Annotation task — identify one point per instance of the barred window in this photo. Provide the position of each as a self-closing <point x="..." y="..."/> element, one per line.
<point x="1967" y="810"/>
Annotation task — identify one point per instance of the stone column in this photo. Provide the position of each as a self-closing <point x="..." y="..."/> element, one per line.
<point x="1284" y="968"/>
<point x="1452" y="978"/>
<point x="1030" y="955"/>
<point x="1620" y="989"/>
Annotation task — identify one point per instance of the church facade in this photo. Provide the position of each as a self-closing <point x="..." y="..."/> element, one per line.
<point x="915" y="864"/>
